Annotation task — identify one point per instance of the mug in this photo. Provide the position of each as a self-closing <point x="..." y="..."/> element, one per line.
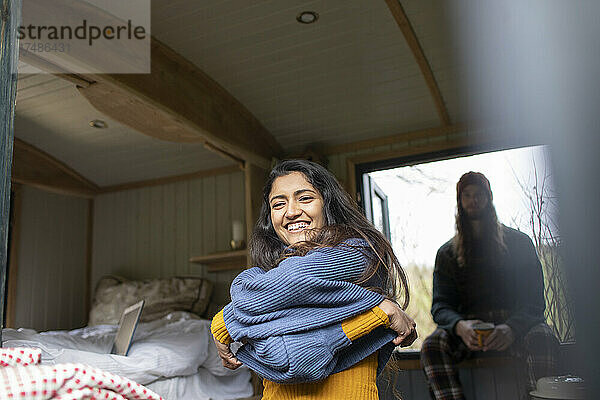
<point x="483" y="330"/>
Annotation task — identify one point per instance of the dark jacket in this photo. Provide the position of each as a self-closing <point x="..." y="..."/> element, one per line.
<point x="506" y="287"/>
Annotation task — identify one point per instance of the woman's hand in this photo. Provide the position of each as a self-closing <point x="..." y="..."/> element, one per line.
<point x="400" y="322"/>
<point x="227" y="357"/>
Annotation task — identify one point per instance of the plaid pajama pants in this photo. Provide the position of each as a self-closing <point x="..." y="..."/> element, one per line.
<point x="441" y="352"/>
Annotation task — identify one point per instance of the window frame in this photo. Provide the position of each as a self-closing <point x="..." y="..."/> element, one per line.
<point x="8" y="93"/>
<point x="410" y="357"/>
<point x="370" y="190"/>
<point x="402" y="161"/>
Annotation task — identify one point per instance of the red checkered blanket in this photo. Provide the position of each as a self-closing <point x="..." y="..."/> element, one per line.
<point x="22" y="378"/>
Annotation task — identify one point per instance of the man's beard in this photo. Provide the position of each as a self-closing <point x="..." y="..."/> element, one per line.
<point x="481" y="215"/>
<point x="477" y="215"/>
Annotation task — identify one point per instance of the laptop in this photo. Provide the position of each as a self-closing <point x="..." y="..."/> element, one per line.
<point x="127" y="324"/>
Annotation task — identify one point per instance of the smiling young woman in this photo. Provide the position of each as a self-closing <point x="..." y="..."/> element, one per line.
<point x="315" y="315"/>
<point x="296" y="208"/>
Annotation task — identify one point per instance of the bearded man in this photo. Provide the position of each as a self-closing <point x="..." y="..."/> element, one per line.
<point x="490" y="273"/>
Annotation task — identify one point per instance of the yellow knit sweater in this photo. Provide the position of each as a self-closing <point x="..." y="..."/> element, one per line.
<point x="357" y="382"/>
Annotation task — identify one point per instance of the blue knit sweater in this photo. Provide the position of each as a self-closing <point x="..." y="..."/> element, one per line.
<point x="289" y="318"/>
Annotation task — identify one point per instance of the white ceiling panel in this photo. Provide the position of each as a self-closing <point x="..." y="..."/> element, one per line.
<point x="348" y="77"/>
<point x="52" y="116"/>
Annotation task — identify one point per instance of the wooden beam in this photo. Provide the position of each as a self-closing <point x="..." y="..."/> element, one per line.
<point x="398" y="138"/>
<point x="224" y="154"/>
<point x="44" y="65"/>
<point x="13" y="266"/>
<point x="440" y="145"/>
<point x="351" y="178"/>
<point x="178" y="102"/>
<point x="34" y="167"/>
<point x="171" y="179"/>
<point x="411" y="39"/>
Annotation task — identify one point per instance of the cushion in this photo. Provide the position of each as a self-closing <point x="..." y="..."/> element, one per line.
<point x="162" y="296"/>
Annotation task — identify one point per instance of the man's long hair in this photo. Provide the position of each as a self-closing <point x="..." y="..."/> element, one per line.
<point x="343" y="221"/>
<point x="492" y="233"/>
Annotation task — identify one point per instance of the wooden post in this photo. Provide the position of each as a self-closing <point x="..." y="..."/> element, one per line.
<point x="9" y="55"/>
<point x="89" y="243"/>
<point x="255" y="178"/>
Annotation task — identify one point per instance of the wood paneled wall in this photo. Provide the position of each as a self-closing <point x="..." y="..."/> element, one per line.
<point x="152" y="232"/>
<point x="138" y="233"/>
<point x="51" y="267"/>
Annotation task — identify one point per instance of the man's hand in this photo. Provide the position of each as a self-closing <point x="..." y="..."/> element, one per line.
<point x="500" y="339"/>
<point x="227" y="357"/>
<point x="401" y="323"/>
<point x="464" y="329"/>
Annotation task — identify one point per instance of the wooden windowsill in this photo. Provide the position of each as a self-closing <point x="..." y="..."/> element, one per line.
<point x="411" y="359"/>
<point x="408" y="360"/>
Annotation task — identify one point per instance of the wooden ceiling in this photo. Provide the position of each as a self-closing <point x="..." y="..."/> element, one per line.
<point x="365" y="70"/>
<point x="52" y="116"/>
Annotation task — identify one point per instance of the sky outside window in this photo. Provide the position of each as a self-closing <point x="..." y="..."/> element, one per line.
<point x="422" y="198"/>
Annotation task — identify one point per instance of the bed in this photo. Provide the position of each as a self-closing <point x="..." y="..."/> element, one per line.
<point x="172" y="353"/>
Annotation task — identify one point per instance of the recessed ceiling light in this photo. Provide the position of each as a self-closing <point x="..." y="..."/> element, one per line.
<point x="307" y="17"/>
<point x="98" y="123"/>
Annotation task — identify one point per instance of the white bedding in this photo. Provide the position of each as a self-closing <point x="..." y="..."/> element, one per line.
<point x="175" y="352"/>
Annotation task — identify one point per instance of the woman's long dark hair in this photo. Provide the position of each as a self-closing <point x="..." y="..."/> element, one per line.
<point x="343" y="221"/>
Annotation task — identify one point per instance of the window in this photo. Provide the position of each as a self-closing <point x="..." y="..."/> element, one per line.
<point x="376" y="205"/>
<point x="422" y="207"/>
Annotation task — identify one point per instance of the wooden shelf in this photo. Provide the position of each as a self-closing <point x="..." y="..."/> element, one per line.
<point x="223" y="261"/>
